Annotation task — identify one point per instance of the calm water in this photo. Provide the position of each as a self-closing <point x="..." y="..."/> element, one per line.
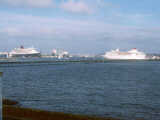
<point x="124" y="89"/>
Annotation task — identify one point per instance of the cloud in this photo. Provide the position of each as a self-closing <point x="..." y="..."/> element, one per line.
<point x="87" y="34"/>
<point x="28" y="3"/>
<point x="28" y="25"/>
<point x="11" y="31"/>
<point x="134" y="18"/>
<point x="76" y="7"/>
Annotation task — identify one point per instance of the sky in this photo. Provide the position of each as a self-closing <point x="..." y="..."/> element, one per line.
<point x="80" y="26"/>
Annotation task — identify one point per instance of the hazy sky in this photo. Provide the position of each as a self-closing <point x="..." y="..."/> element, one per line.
<point x="80" y="26"/>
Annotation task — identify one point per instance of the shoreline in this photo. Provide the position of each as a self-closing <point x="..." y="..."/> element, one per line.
<point x="72" y="61"/>
<point x="13" y="112"/>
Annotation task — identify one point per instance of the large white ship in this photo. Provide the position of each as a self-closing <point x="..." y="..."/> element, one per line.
<point x="4" y="54"/>
<point x="24" y="52"/>
<point x="132" y="54"/>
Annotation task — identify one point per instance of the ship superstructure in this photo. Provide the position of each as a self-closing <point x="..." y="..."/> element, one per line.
<point x="4" y="54"/>
<point x="60" y="53"/>
<point x="131" y="54"/>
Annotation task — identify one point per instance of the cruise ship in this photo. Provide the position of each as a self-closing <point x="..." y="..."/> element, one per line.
<point x="132" y="54"/>
<point x="4" y="54"/>
<point x="24" y="52"/>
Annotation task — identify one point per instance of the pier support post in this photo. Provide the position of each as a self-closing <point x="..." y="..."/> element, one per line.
<point x="1" y="95"/>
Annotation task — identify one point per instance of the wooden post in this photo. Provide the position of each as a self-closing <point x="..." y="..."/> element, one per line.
<point x="1" y="74"/>
<point x="1" y="95"/>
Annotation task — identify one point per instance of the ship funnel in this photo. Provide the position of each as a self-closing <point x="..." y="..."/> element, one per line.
<point x="22" y="47"/>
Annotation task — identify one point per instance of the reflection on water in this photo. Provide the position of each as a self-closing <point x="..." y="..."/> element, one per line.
<point x="123" y="89"/>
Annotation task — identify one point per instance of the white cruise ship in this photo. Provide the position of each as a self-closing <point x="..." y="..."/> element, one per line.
<point x="24" y="52"/>
<point x="4" y="54"/>
<point x="132" y="54"/>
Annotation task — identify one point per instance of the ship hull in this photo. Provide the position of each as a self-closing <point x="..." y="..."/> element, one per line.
<point x="125" y="57"/>
<point x="132" y="54"/>
<point x="26" y="55"/>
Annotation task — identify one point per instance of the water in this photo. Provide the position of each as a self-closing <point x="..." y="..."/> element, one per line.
<point x="122" y="89"/>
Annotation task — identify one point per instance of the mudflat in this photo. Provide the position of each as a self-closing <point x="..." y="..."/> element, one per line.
<point x="13" y="112"/>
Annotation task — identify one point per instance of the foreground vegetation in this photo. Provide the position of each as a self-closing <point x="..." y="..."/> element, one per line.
<point x="13" y="112"/>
